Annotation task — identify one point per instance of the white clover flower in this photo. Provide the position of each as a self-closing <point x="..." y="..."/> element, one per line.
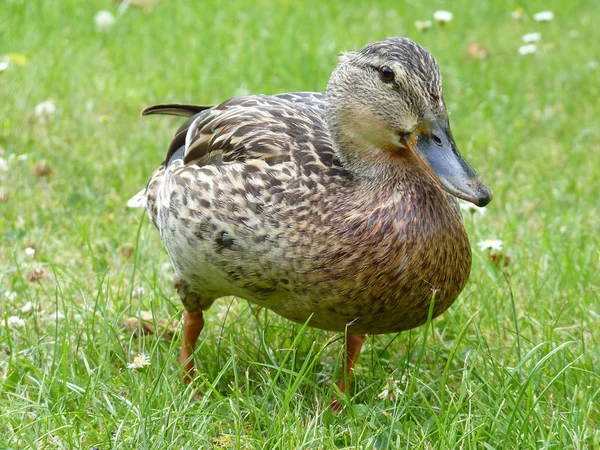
<point x="543" y="16"/>
<point x="423" y="25"/>
<point x="491" y="244"/>
<point x="390" y="390"/>
<point x="527" y="49"/>
<point x="27" y="307"/>
<point x="55" y="316"/>
<point x="4" y="63"/>
<point x="104" y="20"/>
<point x="138" y="292"/>
<point x="140" y="361"/>
<point x="15" y="322"/>
<point x="10" y="295"/>
<point x="44" y="109"/>
<point x="3" y="165"/>
<point x="166" y="268"/>
<point x="442" y="16"/>
<point x="531" y="37"/>
<point x="518" y="14"/>
<point x="471" y="208"/>
<point x="30" y="252"/>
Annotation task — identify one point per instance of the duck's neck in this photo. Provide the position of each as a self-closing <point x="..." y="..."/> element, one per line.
<point x="397" y="181"/>
<point x="378" y="167"/>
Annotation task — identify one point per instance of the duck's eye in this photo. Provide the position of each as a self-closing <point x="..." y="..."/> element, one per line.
<point x="386" y="74"/>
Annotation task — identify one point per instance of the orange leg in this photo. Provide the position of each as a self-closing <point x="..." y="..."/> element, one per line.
<point x="192" y="326"/>
<point x="354" y="343"/>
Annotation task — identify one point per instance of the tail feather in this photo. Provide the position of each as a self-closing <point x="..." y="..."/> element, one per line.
<point x="175" y="109"/>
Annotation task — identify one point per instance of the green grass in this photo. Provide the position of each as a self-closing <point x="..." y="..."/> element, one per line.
<point x="474" y="378"/>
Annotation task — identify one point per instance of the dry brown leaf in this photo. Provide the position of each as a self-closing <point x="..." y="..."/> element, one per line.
<point x="37" y="275"/>
<point x="126" y="250"/>
<point x="145" y="323"/>
<point x="42" y="169"/>
<point x="476" y="51"/>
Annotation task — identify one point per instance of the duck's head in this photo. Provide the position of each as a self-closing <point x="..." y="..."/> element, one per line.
<point x="386" y="109"/>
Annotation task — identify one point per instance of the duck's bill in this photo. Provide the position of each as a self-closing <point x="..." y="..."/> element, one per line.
<point x="434" y="144"/>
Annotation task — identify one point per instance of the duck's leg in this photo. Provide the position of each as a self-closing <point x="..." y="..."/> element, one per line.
<point x="193" y="322"/>
<point x="354" y="343"/>
<point x="192" y="326"/>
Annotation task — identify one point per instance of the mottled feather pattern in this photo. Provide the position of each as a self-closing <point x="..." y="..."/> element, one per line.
<point x="258" y="205"/>
<point x="310" y="204"/>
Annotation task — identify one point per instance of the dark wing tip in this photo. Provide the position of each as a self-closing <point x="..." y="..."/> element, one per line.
<point x="174" y="109"/>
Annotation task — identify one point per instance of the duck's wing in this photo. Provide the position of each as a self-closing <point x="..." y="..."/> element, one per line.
<point x="310" y="99"/>
<point x="273" y="129"/>
<point x="268" y="128"/>
<point x="204" y="114"/>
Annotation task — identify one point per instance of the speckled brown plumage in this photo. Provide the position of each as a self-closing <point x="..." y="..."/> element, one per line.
<point x="321" y="207"/>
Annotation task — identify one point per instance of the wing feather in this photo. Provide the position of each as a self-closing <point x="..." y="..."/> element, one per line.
<point x="248" y="127"/>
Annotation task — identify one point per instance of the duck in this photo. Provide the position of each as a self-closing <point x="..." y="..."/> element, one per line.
<point x="337" y="210"/>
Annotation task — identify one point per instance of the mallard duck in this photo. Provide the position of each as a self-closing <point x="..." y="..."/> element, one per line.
<point x="338" y="210"/>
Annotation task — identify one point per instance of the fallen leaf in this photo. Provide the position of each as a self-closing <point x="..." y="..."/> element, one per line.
<point x="145" y="323"/>
<point x="476" y="51"/>
<point x="126" y="250"/>
<point x="37" y="275"/>
<point x="42" y="169"/>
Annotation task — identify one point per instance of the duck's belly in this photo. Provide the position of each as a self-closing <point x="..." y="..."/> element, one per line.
<point x="368" y="293"/>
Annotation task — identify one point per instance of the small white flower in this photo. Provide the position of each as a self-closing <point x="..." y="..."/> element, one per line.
<point x="166" y="268"/>
<point x="104" y="20"/>
<point x="443" y="16"/>
<point x="527" y="49"/>
<point x="27" y="307"/>
<point x="531" y="37"/>
<point x="140" y="361"/>
<point x="543" y="16"/>
<point x="518" y="14"/>
<point x="4" y="63"/>
<point x="491" y="244"/>
<point x="3" y="165"/>
<point x="55" y="316"/>
<point x="45" y="109"/>
<point x="29" y="252"/>
<point x="15" y="322"/>
<point x="391" y="390"/>
<point x="138" y="292"/>
<point x="423" y="25"/>
<point x="471" y="208"/>
<point x="10" y="295"/>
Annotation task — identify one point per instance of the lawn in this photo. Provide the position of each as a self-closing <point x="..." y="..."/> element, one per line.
<point x="514" y="363"/>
